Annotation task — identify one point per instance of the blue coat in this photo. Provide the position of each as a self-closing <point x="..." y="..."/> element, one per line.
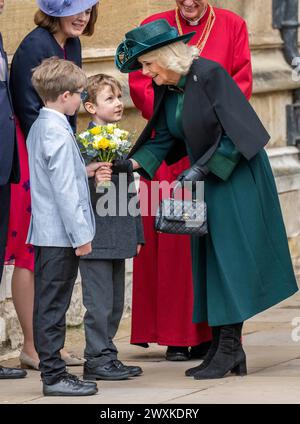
<point x="38" y="45"/>
<point x="9" y="160"/>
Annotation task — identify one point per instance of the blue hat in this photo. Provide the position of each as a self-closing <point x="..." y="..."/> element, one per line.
<point x="60" y="8"/>
<point x="145" y="39"/>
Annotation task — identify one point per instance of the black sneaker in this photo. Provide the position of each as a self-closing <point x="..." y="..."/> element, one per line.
<point x="134" y="370"/>
<point x="177" y="353"/>
<point x="108" y="371"/>
<point x="69" y="386"/>
<point x="85" y="382"/>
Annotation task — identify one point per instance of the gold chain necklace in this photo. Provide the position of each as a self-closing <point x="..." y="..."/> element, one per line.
<point x="206" y="31"/>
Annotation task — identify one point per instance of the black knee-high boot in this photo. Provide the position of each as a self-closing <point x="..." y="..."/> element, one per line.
<point x="230" y="355"/>
<point x="210" y="354"/>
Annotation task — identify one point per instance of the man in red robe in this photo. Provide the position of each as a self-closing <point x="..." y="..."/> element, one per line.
<point x="162" y="301"/>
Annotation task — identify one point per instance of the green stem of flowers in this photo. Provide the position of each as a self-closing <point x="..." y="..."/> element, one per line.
<point x="110" y="157"/>
<point x="106" y="156"/>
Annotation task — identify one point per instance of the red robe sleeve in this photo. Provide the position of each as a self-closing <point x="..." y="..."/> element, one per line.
<point x="141" y="92"/>
<point x="241" y="68"/>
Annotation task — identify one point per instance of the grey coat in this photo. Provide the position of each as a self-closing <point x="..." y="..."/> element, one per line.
<point x="61" y="215"/>
<point x="117" y="236"/>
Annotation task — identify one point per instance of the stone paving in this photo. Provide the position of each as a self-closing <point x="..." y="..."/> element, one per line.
<point x="273" y="370"/>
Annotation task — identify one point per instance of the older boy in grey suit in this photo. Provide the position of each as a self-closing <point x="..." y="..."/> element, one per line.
<point x="62" y="218"/>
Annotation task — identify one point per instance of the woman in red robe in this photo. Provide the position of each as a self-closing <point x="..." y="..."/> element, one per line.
<point x="162" y="301"/>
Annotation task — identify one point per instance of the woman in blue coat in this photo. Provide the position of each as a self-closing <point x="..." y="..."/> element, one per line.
<point x="59" y="24"/>
<point x="243" y="266"/>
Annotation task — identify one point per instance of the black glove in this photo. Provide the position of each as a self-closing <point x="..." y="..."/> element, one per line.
<point x="193" y="174"/>
<point x="122" y="166"/>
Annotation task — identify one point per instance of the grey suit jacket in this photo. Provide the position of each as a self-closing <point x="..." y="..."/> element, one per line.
<point x="62" y="215"/>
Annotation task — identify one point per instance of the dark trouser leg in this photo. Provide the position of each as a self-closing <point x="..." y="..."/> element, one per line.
<point x="118" y="303"/>
<point x="55" y="274"/>
<point x="4" y="217"/>
<point x="97" y="290"/>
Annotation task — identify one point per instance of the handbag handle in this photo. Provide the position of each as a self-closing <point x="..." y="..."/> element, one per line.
<point x="172" y="199"/>
<point x="194" y="198"/>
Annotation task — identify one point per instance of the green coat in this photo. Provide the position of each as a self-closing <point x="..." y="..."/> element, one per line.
<point x="243" y="266"/>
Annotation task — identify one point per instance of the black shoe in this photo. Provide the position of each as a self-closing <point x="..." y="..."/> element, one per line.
<point x="199" y="351"/>
<point x="85" y="382"/>
<point x="108" y="371"/>
<point x="68" y="386"/>
<point x="210" y="354"/>
<point x="134" y="370"/>
<point x="229" y="357"/>
<point x="177" y="353"/>
<point x="11" y="373"/>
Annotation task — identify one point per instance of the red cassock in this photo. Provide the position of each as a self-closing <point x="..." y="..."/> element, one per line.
<point x="162" y="274"/>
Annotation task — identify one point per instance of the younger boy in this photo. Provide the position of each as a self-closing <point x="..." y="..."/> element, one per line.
<point x="62" y="223"/>
<point x="117" y="238"/>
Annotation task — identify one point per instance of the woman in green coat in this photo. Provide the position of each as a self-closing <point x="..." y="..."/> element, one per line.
<point x="243" y="266"/>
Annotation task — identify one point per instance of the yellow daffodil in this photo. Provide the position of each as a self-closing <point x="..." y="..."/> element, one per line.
<point x="103" y="143"/>
<point x="95" y="130"/>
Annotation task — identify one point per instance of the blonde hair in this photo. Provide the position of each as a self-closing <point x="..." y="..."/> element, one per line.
<point x="176" y="57"/>
<point x="96" y="83"/>
<point x="55" y="76"/>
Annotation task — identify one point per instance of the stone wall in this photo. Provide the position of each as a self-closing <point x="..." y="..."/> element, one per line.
<point x="273" y="87"/>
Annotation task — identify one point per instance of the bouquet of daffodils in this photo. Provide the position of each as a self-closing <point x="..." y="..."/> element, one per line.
<point x="104" y="143"/>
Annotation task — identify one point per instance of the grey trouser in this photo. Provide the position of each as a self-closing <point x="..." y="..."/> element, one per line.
<point x="103" y="297"/>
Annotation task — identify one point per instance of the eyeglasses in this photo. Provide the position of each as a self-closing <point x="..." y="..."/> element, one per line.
<point x="83" y="95"/>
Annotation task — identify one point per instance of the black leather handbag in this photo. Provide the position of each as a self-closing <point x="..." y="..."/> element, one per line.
<point x="187" y="217"/>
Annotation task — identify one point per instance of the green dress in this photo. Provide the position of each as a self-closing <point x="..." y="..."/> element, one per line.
<point x="243" y="266"/>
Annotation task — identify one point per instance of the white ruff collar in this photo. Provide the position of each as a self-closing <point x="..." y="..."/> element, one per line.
<point x="194" y="23"/>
